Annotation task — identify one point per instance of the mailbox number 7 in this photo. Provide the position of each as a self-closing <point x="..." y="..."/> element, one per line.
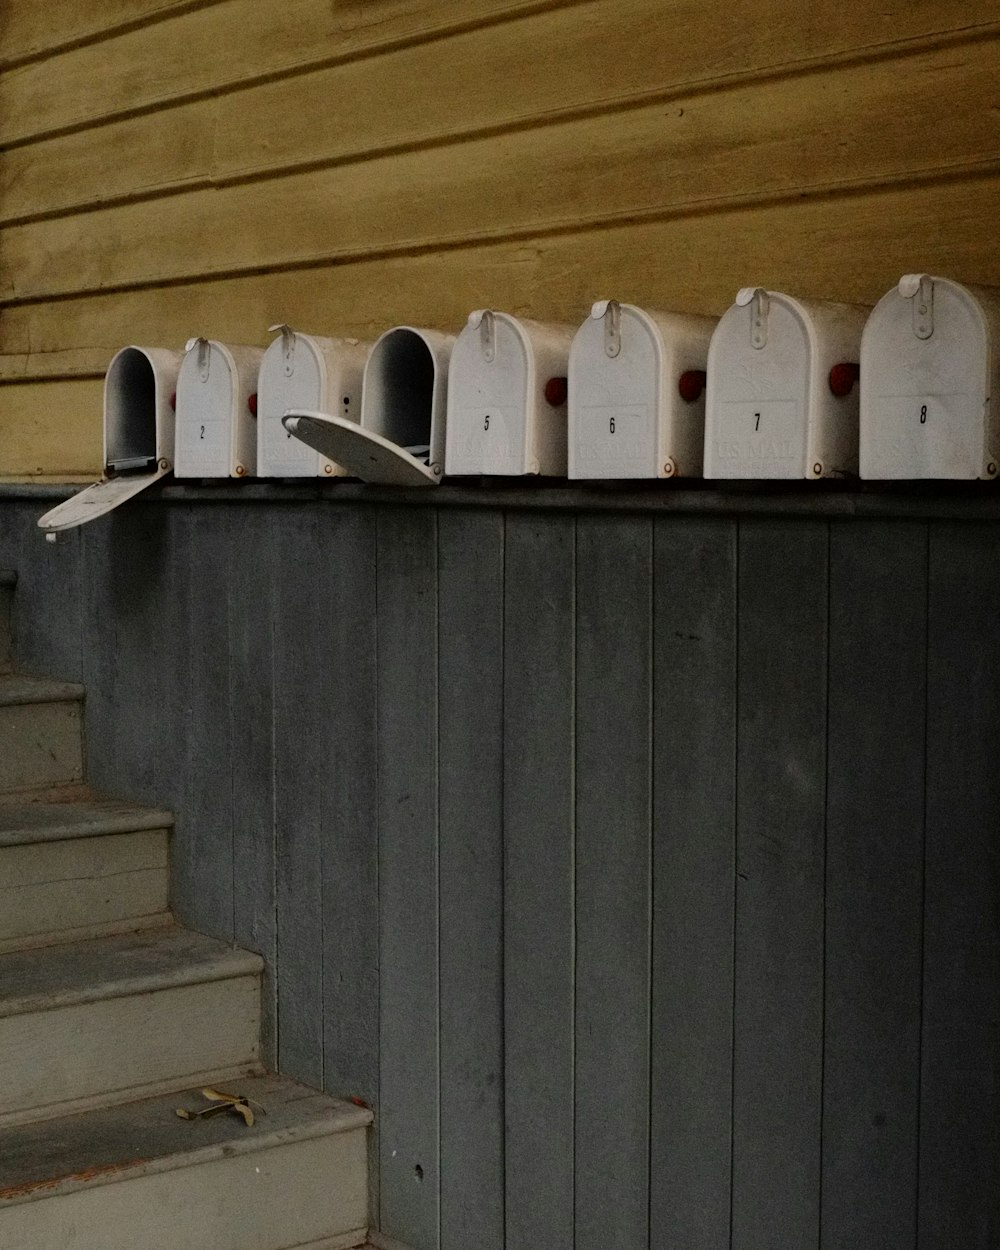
<point x="756" y="424"/>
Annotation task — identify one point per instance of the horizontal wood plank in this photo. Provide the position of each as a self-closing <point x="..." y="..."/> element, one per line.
<point x="849" y="248"/>
<point x="219" y="47"/>
<point x="786" y="138"/>
<point x="385" y="104"/>
<point x="51" y="428"/>
<point x="30" y="29"/>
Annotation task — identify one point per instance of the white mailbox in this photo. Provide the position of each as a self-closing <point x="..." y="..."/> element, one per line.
<point x="302" y="371"/>
<point x="637" y="393"/>
<point x="507" y="397"/>
<point x="139" y="393"/>
<point x="401" y="439"/>
<point x="930" y="361"/>
<point x="216" y="425"/>
<point x="782" y="399"/>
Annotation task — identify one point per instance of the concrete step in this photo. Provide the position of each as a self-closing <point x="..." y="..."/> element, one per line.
<point x="136" y="1177"/>
<point x="41" y="732"/>
<point x="117" y="1018"/>
<point x="80" y="870"/>
<point x="8" y="580"/>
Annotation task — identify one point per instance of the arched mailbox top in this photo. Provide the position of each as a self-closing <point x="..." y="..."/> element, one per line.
<point x="507" y="396"/>
<point x="305" y="372"/>
<point x="930" y="362"/>
<point x="629" y="417"/>
<point x="771" y="410"/>
<point x="216" y="427"/>
<point x="139" y="388"/>
<point x="405" y="392"/>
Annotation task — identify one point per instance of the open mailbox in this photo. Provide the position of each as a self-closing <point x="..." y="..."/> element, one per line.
<point x="401" y="438"/>
<point x="782" y="394"/>
<point x="139" y="392"/>
<point x="216" y="425"/>
<point x="301" y="371"/>
<point x="507" y="396"/>
<point x="637" y="393"/>
<point x="930" y="361"/>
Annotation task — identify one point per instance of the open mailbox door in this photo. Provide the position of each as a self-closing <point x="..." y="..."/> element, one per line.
<point x="401" y="438"/>
<point x="139" y="391"/>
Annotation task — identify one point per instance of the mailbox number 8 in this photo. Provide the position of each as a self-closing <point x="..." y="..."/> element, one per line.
<point x="923" y="414"/>
<point x="611" y="426"/>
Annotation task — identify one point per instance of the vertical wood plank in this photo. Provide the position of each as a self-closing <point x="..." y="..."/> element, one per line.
<point x="247" y="538"/>
<point x="960" y="1092"/>
<point x="350" y="820"/>
<point x="302" y="711"/>
<point x="470" y="738"/>
<point x="613" y="854"/>
<point x="539" y="677"/>
<point x="781" y="774"/>
<point x="408" y="875"/>
<point x="134" y="668"/>
<point x="48" y="602"/>
<point x="874" y="884"/>
<point x="694" y="853"/>
<point x="200" y="643"/>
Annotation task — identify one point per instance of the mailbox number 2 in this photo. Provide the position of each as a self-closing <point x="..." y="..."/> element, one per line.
<point x="202" y="435"/>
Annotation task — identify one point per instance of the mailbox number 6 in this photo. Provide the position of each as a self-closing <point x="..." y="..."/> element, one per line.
<point x="611" y="425"/>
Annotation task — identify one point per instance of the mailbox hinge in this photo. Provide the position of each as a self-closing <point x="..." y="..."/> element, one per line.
<point x="760" y="304"/>
<point x="919" y="287"/>
<point x="287" y="345"/>
<point x="204" y="356"/>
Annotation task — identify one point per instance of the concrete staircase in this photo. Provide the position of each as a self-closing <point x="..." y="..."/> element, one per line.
<point x="112" y="1017"/>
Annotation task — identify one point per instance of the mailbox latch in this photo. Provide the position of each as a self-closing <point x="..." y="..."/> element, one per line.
<point x="487" y="323"/>
<point x="288" y="346"/>
<point x="919" y="287"/>
<point x="204" y="356"/>
<point x="760" y="304"/>
<point x="610" y="312"/>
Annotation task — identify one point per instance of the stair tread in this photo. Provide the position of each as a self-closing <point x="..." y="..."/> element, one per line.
<point x="24" y="822"/>
<point x="45" y="978"/>
<point x="16" y="688"/>
<point x="117" y="1143"/>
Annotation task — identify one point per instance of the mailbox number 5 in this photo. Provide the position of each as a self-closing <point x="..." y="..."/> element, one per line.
<point x="486" y="422"/>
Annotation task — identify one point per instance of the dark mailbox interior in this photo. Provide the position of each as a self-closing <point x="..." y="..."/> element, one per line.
<point x="130" y="411"/>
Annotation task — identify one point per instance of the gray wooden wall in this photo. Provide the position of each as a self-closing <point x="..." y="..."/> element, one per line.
<point x="640" y="870"/>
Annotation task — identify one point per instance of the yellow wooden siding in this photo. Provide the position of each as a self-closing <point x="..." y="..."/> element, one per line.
<point x="48" y="429"/>
<point x="528" y="156"/>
